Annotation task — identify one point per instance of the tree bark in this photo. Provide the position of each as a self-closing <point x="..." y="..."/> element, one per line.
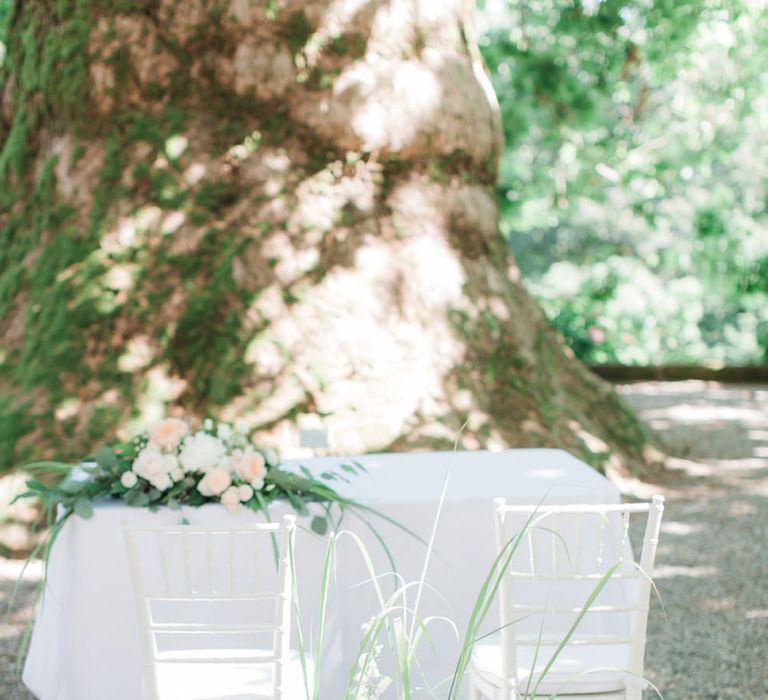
<point x="281" y="212"/>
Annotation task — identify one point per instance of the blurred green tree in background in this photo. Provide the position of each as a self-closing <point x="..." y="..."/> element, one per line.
<point x="633" y="183"/>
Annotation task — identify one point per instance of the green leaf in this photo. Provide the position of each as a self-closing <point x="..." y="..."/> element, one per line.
<point x="83" y="508"/>
<point x="136" y="499"/>
<point x="35" y="485"/>
<point x="297" y="503"/>
<point x="26" y="494"/>
<point x="319" y="525"/>
<point x="72" y="487"/>
<point x="106" y="458"/>
<point x="173" y="504"/>
<point x="305" y="471"/>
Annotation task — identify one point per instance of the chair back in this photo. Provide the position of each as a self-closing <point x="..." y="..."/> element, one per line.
<point x="210" y="587"/>
<point x="561" y="557"/>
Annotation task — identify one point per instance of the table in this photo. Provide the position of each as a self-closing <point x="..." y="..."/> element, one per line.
<point x="85" y="644"/>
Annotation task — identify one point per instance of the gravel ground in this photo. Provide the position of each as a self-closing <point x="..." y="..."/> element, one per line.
<point x="12" y="626"/>
<point x="712" y="565"/>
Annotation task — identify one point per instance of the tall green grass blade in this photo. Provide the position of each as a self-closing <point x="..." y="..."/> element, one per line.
<point x="329" y="550"/>
<point x="484" y="600"/>
<point x="535" y="659"/>
<point x="584" y="610"/>
<point x="387" y="551"/>
<point x="310" y="695"/>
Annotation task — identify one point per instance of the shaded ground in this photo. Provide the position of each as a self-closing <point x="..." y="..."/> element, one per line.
<point x="12" y="627"/>
<point x="712" y="565"/>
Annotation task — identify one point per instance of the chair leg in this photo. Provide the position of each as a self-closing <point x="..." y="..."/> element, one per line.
<point x="474" y="691"/>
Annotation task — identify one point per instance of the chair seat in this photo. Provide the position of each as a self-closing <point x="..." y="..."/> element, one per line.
<point x="564" y="676"/>
<point x="193" y="680"/>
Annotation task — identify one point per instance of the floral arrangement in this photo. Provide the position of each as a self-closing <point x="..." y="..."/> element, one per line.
<point x="175" y="464"/>
<point x="172" y="464"/>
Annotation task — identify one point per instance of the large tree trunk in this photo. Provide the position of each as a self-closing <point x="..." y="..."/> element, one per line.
<point x="279" y="211"/>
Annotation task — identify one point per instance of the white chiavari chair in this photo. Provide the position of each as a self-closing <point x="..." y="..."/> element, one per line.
<point x="215" y="612"/>
<point x="563" y="557"/>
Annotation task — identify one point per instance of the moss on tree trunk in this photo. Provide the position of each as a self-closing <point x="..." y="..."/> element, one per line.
<point x="280" y="213"/>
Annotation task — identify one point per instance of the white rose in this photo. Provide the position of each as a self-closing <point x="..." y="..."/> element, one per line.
<point x="168" y="433"/>
<point x="245" y="492"/>
<point x="230" y="499"/>
<point x="215" y="482"/>
<point x="153" y="465"/>
<point x="149" y="462"/>
<point x="129" y="479"/>
<point x="161" y="481"/>
<point x="224" y="431"/>
<point x="177" y="474"/>
<point x="201" y="453"/>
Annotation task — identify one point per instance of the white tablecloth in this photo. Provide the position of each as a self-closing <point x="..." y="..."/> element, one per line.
<point x="85" y="644"/>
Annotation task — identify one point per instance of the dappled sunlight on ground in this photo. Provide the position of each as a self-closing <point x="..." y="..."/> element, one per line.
<point x="12" y="625"/>
<point x="712" y="559"/>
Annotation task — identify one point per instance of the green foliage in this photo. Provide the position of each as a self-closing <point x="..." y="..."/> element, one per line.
<point x="297" y="31"/>
<point x="5" y="12"/>
<point x="47" y="51"/>
<point x="209" y="341"/>
<point x="52" y="265"/>
<point x="633" y="183"/>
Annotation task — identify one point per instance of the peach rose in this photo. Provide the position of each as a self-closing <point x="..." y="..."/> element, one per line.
<point x="245" y="492"/>
<point x="250" y="467"/>
<point x="230" y="499"/>
<point x="215" y="482"/>
<point x="167" y="434"/>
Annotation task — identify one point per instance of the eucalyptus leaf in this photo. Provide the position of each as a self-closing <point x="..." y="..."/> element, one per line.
<point x="106" y="458"/>
<point x="83" y="508"/>
<point x="71" y="486"/>
<point x="319" y="524"/>
<point x="297" y="503"/>
<point x="136" y="499"/>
